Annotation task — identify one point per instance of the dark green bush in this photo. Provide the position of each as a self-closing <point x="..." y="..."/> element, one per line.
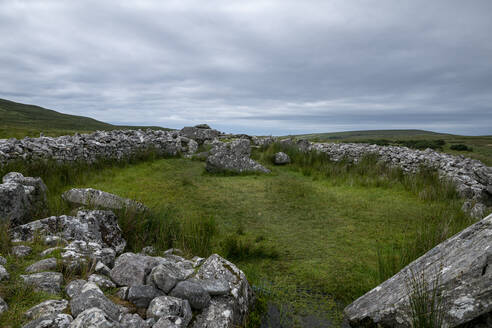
<point x="461" y="147"/>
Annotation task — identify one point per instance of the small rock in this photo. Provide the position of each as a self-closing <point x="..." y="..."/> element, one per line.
<point x="3" y="306"/>
<point x="133" y="321"/>
<point x="49" y="282"/>
<point x="94" y="318"/>
<point x="101" y="281"/>
<point x="3" y="260"/>
<point x="193" y="292"/>
<point x="281" y="158"/>
<point x="60" y="320"/>
<point x="21" y="251"/>
<point x="74" y="287"/>
<point x="4" y="275"/>
<point x="142" y="295"/>
<point x="102" y="269"/>
<point x="174" y="251"/>
<point x="131" y="269"/>
<point x="46" y="308"/>
<point x="49" y="251"/>
<point x="122" y="293"/>
<point x="170" y="308"/>
<point x="166" y="275"/>
<point x="54" y="241"/>
<point x="93" y="299"/>
<point x="90" y="286"/>
<point x="43" y="265"/>
<point x="148" y="250"/>
<point x="214" y="287"/>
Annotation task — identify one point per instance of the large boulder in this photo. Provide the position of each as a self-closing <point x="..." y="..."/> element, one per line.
<point x="22" y="198"/>
<point x="200" y="133"/>
<point x="98" y="198"/>
<point x="233" y="157"/>
<point x="463" y="266"/>
<point x="230" y="307"/>
<point x="96" y="226"/>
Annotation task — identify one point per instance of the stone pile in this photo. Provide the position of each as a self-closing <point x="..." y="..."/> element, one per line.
<point x="473" y="179"/>
<point x="116" y="144"/>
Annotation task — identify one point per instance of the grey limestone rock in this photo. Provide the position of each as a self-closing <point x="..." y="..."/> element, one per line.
<point x="102" y="268"/>
<point x="231" y="308"/>
<point x="94" y="197"/>
<point x="281" y="158"/>
<point x="193" y="292"/>
<point x="42" y="265"/>
<point x="199" y="134"/>
<point x="93" y="299"/>
<point x="176" y="310"/>
<point x="60" y="320"/>
<point x="3" y="260"/>
<point x="463" y="264"/>
<point x="166" y="275"/>
<point x="233" y="157"/>
<point x="4" y="275"/>
<point x="74" y="287"/>
<point x="101" y="281"/>
<point x="96" y="226"/>
<point x="131" y="269"/>
<point x="46" y="308"/>
<point x="49" y="282"/>
<point x="21" y="250"/>
<point x="142" y="295"/>
<point x="94" y="318"/>
<point x="133" y="321"/>
<point x="3" y="306"/>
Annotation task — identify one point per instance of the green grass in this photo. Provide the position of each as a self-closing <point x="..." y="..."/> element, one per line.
<point x="20" y="120"/>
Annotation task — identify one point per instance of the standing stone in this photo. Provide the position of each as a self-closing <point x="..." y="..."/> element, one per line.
<point x="463" y="264"/>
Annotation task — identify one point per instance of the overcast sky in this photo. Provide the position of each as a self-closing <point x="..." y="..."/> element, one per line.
<point x="259" y="67"/>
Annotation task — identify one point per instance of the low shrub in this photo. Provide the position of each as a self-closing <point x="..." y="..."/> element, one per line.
<point x="237" y="249"/>
<point x="460" y="147"/>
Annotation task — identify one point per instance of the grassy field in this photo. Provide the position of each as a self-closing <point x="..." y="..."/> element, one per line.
<point x="311" y="236"/>
<point x="20" y="120"/>
<point x="481" y="145"/>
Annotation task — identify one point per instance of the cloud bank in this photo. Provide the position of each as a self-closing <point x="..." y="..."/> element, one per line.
<point x="260" y="67"/>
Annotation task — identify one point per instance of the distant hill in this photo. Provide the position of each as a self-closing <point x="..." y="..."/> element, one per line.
<point x="21" y="120"/>
<point x="375" y="134"/>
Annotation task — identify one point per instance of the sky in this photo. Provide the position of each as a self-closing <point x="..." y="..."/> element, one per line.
<point x="257" y="67"/>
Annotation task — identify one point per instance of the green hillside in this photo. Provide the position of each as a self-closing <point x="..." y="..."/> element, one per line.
<point x="20" y="120"/>
<point x="478" y="147"/>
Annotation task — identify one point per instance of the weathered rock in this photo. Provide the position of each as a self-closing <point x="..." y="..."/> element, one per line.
<point x="133" y="321"/>
<point x="46" y="308"/>
<point x="21" y="251"/>
<point x="98" y="198"/>
<point x="79" y="253"/>
<point x="142" y="295"/>
<point x="54" y="241"/>
<point x="21" y="198"/>
<point x="281" y="158"/>
<point x="230" y="309"/>
<point x="3" y="306"/>
<point x="4" y="275"/>
<point x="177" y="311"/>
<point x="463" y="266"/>
<point x="49" y="282"/>
<point x="148" y="250"/>
<point x="74" y="287"/>
<point x="200" y="135"/>
<point x="94" y="318"/>
<point x="3" y="260"/>
<point x="131" y="269"/>
<point x="101" y="281"/>
<point x="60" y="320"/>
<point x="102" y="268"/>
<point x="233" y="157"/>
<point x="96" y="226"/>
<point x="49" y="251"/>
<point x="122" y="293"/>
<point x="166" y="275"/>
<point x="42" y="265"/>
<point x="93" y="299"/>
<point x="193" y="292"/>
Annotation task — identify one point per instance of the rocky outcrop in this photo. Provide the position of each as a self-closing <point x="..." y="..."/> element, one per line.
<point x="281" y="158"/>
<point x="233" y="157"/>
<point x="463" y="267"/>
<point x="200" y="133"/>
<point x="21" y="198"/>
<point x="102" y="199"/>
<point x="116" y="145"/>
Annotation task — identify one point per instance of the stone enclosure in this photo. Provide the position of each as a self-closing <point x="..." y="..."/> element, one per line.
<point x="174" y="291"/>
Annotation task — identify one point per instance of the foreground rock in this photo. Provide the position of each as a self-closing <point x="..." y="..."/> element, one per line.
<point x="233" y="157"/>
<point x="60" y="320"/>
<point x="47" y="308"/>
<point x="49" y="282"/>
<point x="281" y="158"/>
<point x="22" y="198"/>
<point x="98" y="198"/>
<point x="464" y="266"/>
<point x="99" y="227"/>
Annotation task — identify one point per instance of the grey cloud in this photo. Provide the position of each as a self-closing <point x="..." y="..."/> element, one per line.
<point x="258" y="67"/>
